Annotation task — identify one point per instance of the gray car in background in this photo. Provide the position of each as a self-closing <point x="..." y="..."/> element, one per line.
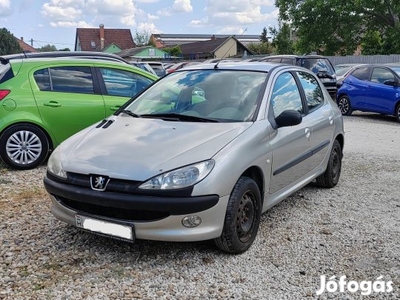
<point x="200" y="155"/>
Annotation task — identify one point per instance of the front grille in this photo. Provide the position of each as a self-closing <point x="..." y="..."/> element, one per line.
<point x="113" y="212"/>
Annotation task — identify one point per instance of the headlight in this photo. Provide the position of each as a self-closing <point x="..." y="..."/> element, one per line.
<point x="54" y="165"/>
<point x="180" y="178"/>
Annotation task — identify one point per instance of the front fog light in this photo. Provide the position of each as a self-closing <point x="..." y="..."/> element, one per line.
<point x="191" y="221"/>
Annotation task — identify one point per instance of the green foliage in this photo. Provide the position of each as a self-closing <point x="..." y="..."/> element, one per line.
<point x="142" y="38"/>
<point x="260" y="48"/>
<point x="8" y="43"/>
<point x="282" y="39"/>
<point x="264" y="36"/>
<point x="173" y="51"/>
<point x="48" y="48"/>
<point x="335" y="26"/>
<point x="65" y="49"/>
<point x="371" y="43"/>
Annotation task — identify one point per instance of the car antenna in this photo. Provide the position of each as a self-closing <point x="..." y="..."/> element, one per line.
<point x="216" y="65"/>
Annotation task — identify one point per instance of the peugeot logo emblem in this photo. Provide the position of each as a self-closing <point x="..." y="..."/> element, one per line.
<point x="98" y="182"/>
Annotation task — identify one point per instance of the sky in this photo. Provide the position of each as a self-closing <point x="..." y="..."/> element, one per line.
<point x="54" y="22"/>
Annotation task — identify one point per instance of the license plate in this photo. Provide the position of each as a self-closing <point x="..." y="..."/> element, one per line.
<point x="105" y="227"/>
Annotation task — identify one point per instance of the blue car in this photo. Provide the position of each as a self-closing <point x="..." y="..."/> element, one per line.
<point x="370" y="88"/>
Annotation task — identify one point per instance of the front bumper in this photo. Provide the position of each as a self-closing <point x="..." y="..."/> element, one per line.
<point x="153" y="218"/>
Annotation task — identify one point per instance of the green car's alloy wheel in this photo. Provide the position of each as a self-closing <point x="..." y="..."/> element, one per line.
<point x="23" y="146"/>
<point x="242" y="217"/>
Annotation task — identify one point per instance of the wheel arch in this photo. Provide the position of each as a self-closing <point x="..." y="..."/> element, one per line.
<point x="340" y="139"/>
<point x="257" y="175"/>
<point x="46" y="133"/>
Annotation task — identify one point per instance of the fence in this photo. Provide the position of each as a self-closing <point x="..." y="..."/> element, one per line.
<point x="365" y="59"/>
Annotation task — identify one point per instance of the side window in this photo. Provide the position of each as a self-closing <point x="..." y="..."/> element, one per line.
<point x="380" y="75"/>
<point x="123" y="83"/>
<point x="71" y="80"/>
<point x="361" y="73"/>
<point x="286" y="95"/>
<point x="313" y="91"/>
<point x="42" y="79"/>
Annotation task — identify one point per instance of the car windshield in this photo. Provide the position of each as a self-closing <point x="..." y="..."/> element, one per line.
<point x="396" y="69"/>
<point x="221" y="95"/>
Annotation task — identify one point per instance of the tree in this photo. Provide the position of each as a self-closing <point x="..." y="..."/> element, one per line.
<point x="173" y="51"/>
<point x="264" y="36"/>
<point x="142" y="38"/>
<point x="336" y="26"/>
<point x="260" y="48"/>
<point x="47" y="48"/>
<point x="8" y="43"/>
<point x="282" y="39"/>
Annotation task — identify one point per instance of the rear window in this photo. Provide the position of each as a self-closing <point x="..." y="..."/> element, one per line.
<point x="317" y="65"/>
<point x="5" y="72"/>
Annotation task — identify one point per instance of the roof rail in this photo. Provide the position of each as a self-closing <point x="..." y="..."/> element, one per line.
<point x="53" y="54"/>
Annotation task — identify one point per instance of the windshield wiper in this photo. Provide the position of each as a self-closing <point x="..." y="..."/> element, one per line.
<point x="179" y="117"/>
<point x="130" y="113"/>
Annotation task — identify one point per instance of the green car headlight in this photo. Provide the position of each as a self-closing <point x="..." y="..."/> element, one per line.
<point x="54" y="165"/>
<point x="180" y="178"/>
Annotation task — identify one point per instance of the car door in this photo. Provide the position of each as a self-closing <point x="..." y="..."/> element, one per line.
<point x="290" y="145"/>
<point x="381" y="97"/>
<point x="67" y="98"/>
<point x="319" y="118"/>
<point x="356" y="86"/>
<point x="119" y="86"/>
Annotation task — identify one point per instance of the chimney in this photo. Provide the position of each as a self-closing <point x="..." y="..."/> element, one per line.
<point x="22" y="38"/>
<point x="101" y="36"/>
<point x="213" y="37"/>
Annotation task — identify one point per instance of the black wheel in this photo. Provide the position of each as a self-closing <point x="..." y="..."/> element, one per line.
<point x="344" y="105"/>
<point x="330" y="178"/>
<point x="397" y="113"/>
<point x="23" y="146"/>
<point x="242" y="217"/>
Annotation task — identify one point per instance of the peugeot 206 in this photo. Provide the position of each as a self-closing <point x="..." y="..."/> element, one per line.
<point x="200" y="155"/>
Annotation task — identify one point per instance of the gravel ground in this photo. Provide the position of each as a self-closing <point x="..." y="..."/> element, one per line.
<point x="350" y="230"/>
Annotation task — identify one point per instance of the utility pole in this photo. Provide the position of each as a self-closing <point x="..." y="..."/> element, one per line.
<point x="31" y="42"/>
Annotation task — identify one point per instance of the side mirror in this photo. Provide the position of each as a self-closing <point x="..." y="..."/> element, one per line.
<point x="391" y="82"/>
<point x="288" y="118"/>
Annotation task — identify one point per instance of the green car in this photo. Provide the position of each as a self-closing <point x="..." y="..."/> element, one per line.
<point x="43" y="101"/>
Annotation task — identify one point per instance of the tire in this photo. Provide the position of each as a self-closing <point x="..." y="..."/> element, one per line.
<point x="330" y="177"/>
<point x="397" y="112"/>
<point x="344" y="105"/>
<point x="242" y="217"/>
<point x="23" y="146"/>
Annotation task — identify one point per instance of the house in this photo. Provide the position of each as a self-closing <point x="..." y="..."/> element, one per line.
<point x="161" y="40"/>
<point x="24" y="46"/>
<point x="142" y="53"/>
<point x="215" y="48"/>
<point x="103" y="39"/>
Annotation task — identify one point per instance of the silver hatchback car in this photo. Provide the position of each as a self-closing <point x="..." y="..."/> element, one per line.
<point x="200" y="155"/>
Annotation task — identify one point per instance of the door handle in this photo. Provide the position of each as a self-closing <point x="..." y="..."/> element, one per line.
<point x="52" y="104"/>
<point x="307" y="131"/>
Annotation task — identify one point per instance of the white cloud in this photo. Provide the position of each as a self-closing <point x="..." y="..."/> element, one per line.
<point x="182" y="6"/>
<point x="148" y="27"/>
<point x="65" y="13"/>
<point x="5" y="8"/>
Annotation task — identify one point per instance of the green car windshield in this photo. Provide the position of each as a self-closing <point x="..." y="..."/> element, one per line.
<point x="224" y="95"/>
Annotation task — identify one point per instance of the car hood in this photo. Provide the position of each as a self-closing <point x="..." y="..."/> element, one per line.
<point x="139" y="148"/>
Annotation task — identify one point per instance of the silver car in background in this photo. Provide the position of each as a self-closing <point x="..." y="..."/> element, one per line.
<point x="200" y="155"/>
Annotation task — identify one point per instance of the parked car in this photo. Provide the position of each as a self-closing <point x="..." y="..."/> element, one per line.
<point x="45" y="100"/>
<point x="319" y="64"/>
<point x="341" y="72"/>
<point x="144" y="66"/>
<point x="370" y="88"/>
<point x="158" y="67"/>
<point x="200" y="155"/>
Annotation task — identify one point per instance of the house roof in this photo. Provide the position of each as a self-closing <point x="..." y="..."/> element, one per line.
<point x="203" y="46"/>
<point x="25" y="47"/>
<point x="167" y="40"/>
<point x="209" y="46"/>
<point x="132" y="51"/>
<point x="89" y="38"/>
